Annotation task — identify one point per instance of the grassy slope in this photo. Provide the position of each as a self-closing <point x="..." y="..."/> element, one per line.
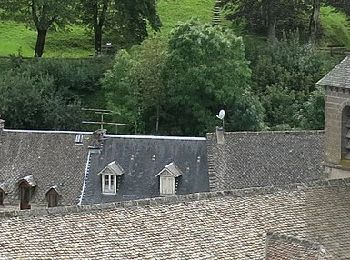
<point x="336" y="26"/>
<point x="173" y="11"/>
<point x="15" y="38"/>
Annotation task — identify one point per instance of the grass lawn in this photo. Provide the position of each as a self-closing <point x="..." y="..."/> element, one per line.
<point x="16" y="38"/>
<point x="173" y="11"/>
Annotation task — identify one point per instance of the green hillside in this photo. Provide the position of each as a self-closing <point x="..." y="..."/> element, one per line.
<point x="173" y="11"/>
<point x="17" y="38"/>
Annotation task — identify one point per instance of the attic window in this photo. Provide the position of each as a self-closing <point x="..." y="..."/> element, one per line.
<point x="2" y="197"/>
<point x="26" y="188"/>
<point x="52" y="197"/>
<point x="109" y="178"/>
<point x="109" y="184"/>
<point x="79" y="139"/>
<point x="168" y="179"/>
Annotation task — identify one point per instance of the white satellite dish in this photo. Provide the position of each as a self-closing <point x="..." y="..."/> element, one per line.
<point x="221" y="114"/>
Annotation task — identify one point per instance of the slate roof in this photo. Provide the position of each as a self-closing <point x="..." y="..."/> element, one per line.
<point x="142" y="158"/>
<point x="221" y="225"/>
<point x="52" y="158"/>
<point x="256" y="159"/>
<point x="339" y="76"/>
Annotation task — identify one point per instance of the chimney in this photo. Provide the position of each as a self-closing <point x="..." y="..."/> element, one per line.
<point x="2" y="125"/>
<point x="220" y="135"/>
<point x="97" y="141"/>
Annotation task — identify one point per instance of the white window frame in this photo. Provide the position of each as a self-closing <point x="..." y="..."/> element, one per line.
<point x="111" y="189"/>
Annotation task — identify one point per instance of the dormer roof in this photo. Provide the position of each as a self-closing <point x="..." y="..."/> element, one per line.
<point x="170" y="169"/>
<point x="55" y="188"/>
<point x="3" y="186"/>
<point x="339" y="76"/>
<point x="29" y="179"/>
<point x="112" y="168"/>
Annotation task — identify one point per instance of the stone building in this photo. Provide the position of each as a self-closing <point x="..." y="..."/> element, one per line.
<point x="337" y="115"/>
<point x="228" y="196"/>
<point x="58" y="168"/>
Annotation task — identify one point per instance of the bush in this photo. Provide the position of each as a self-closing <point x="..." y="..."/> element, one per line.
<point x="31" y="102"/>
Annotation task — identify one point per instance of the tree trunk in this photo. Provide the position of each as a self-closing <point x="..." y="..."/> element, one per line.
<point x="271" y="30"/>
<point x="271" y="22"/>
<point x="98" y="39"/>
<point x="157" y="120"/>
<point x="314" y="21"/>
<point x="40" y="42"/>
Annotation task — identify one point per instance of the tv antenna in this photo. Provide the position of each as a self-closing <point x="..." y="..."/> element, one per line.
<point x="221" y="116"/>
<point x="102" y="123"/>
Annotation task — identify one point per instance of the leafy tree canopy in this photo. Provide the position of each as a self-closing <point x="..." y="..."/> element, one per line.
<point x="206" y="70"/>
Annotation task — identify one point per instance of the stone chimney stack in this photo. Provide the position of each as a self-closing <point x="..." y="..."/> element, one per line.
<point x="220" y="135"/>
<point x="97" y="141"/>
<point x="2" y="125"/>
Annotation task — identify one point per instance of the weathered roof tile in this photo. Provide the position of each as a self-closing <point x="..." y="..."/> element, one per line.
<point x="339" y="76"/>
<point x="220" y="227"/>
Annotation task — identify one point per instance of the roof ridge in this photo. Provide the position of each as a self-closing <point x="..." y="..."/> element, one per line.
<point x="176" y="198"/>
<point x="295" y="132"/>
<point x="45" y="132"/>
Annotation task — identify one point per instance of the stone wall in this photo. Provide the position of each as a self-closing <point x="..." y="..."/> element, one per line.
<point x="336" y="100"/>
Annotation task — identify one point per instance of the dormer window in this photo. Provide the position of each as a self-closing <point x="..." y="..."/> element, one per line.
<point x="26" y="188"/>
<point x="109" y="184"/>
<point x="52" y="196"/>
<point x="168" y="179"/>
<point x="110" y="177"/>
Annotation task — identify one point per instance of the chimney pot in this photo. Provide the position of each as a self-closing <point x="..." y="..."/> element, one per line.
<point x="220" y="135"/>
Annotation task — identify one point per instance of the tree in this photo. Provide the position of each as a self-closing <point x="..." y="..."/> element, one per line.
<point x="42" y="14"/>
<point x="269" y="17"/>
<point x="284" y="75"/>
<point x="313" y="111"/>
<point x="342" y="5"/>
<point x="206" y="70"/>
<point x="132" y="18"/>
<point x="94" y="14"/>
<point x="314" y="20"/>
<point x="125" y="19"/>
<point x="134" y="86"/>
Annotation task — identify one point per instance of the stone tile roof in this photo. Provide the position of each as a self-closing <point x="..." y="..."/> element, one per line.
<point x="142" y="158"/>
<point x="52" y="158"/>
<point x="286" y="247"/>
<point x="255" y="159"/>
<point x="221" y="225"/>
<point x="339" y="76"/>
